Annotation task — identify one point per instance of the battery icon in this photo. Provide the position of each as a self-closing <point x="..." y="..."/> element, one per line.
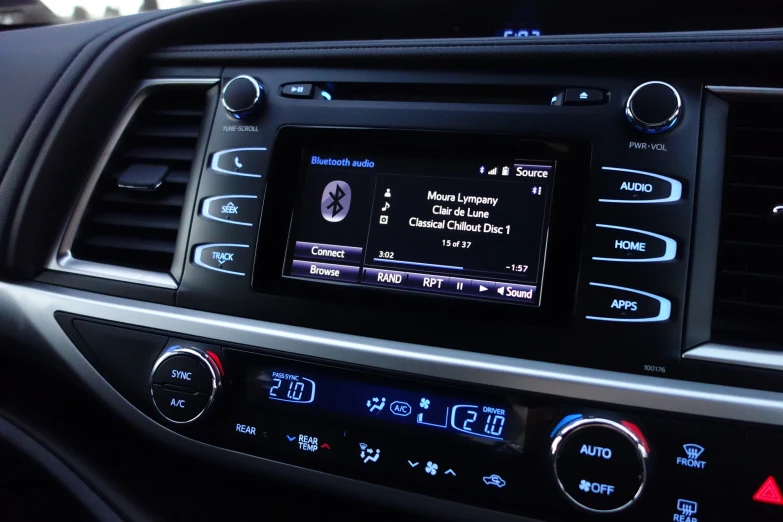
<point x="506" y="171"/>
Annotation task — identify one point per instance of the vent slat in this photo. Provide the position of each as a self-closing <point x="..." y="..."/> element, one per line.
<point x="159" y="154"/>
<point x="748" y="306"/>
<point x="136" y="228"/>
<point x="178" y="177"/>
<point x="133" y="198"/>
<point x="133" y="244"/>
<point x="169" y="131"/>
<point x="154" y="221"/>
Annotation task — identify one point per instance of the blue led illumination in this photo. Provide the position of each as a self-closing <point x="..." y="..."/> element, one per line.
<point x="373" y="403"/>
<point x="287" y="387"/>
<point x="565" y="420"/>
<point x="480" y="421"/>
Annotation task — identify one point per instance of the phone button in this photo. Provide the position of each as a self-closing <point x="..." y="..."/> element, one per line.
<point x="249" y="162"/>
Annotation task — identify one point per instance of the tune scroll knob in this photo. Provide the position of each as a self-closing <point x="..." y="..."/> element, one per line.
<point x="654" y="107"/>
<point x="185" y="382"/>
<point x="600" y="465"/>
<point x="242" y="96"/>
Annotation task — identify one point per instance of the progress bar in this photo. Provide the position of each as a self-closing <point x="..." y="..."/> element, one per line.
<point x="417" y="264"/>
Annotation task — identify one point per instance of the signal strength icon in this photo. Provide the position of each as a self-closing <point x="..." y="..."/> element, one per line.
<point x="493" y="172"/>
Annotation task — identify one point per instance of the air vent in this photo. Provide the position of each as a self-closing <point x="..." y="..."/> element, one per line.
<point x="749" y="292"/>
<point x="133" y="217"/>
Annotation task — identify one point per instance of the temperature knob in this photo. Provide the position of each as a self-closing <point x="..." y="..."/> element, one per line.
<point x="185" y="382"/>
<point x="242" y="95"/>
<point x="600" y="464"/>
<point x="654" y="107"/>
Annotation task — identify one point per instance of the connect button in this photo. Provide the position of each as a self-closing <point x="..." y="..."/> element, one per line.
<point x="626" y="305"/>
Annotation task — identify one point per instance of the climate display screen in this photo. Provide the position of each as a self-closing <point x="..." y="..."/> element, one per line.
<point x="308" y="392"/>
<point x="474" y="229"/>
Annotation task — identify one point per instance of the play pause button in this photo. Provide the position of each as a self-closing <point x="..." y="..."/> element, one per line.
<point x="482" y="288"/>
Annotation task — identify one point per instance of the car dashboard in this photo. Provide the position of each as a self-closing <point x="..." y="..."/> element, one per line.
<point x="519" y="261"/>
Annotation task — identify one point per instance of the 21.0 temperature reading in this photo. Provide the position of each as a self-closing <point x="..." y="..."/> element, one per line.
<point x="483" y="421"/>
<point x="289" y="387"/>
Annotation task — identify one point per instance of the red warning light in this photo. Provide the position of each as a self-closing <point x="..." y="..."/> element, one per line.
<point x="769" y="493"/>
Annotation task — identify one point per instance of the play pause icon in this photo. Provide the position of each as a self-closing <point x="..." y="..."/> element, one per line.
<point x="456" y="284"/>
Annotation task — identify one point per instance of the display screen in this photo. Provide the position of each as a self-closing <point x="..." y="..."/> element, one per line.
<point x="355" y="399"/>
<point x="474" y="228"/>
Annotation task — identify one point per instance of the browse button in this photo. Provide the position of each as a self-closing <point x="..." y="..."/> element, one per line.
<point x="626" y="305"/>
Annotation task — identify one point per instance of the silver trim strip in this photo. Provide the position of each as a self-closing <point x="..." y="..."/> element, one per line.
<point x="216" y="158"/>
<point x="199" y="262"/>
<point x="668" y="255"/>
<point x="663" y="313"/>
<point x="62" y="260"/>
<point x="741" y="356"/>
<point x="30" y="319"/>
<point x="739" y="92"/>
<point x="205" y="209"/>
<point x="675" y="195"/>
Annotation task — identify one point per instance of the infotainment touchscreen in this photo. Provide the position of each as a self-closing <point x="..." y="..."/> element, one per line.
<point x="463" y="228"/>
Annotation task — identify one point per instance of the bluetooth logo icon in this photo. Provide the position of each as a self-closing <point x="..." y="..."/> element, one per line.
<point x="336" y="201"/>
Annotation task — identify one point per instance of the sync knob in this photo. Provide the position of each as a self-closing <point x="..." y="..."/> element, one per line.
<point x="185" y="382"/>
<point x="242" y="95"/>
<point x="600" y="465"/>
<point x="654" y="107"/>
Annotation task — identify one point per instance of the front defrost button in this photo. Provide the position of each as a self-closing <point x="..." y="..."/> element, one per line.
<point x="625" y="305"/>
<point x="227" y="258"/>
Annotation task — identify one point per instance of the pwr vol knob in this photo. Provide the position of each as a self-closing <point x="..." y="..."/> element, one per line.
<point x="185" y="382"/>
<point x="600" y="465"/>
<point x="654" y="107"/>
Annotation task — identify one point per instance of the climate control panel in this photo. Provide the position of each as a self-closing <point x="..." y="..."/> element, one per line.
<point x="543" y="457"/>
